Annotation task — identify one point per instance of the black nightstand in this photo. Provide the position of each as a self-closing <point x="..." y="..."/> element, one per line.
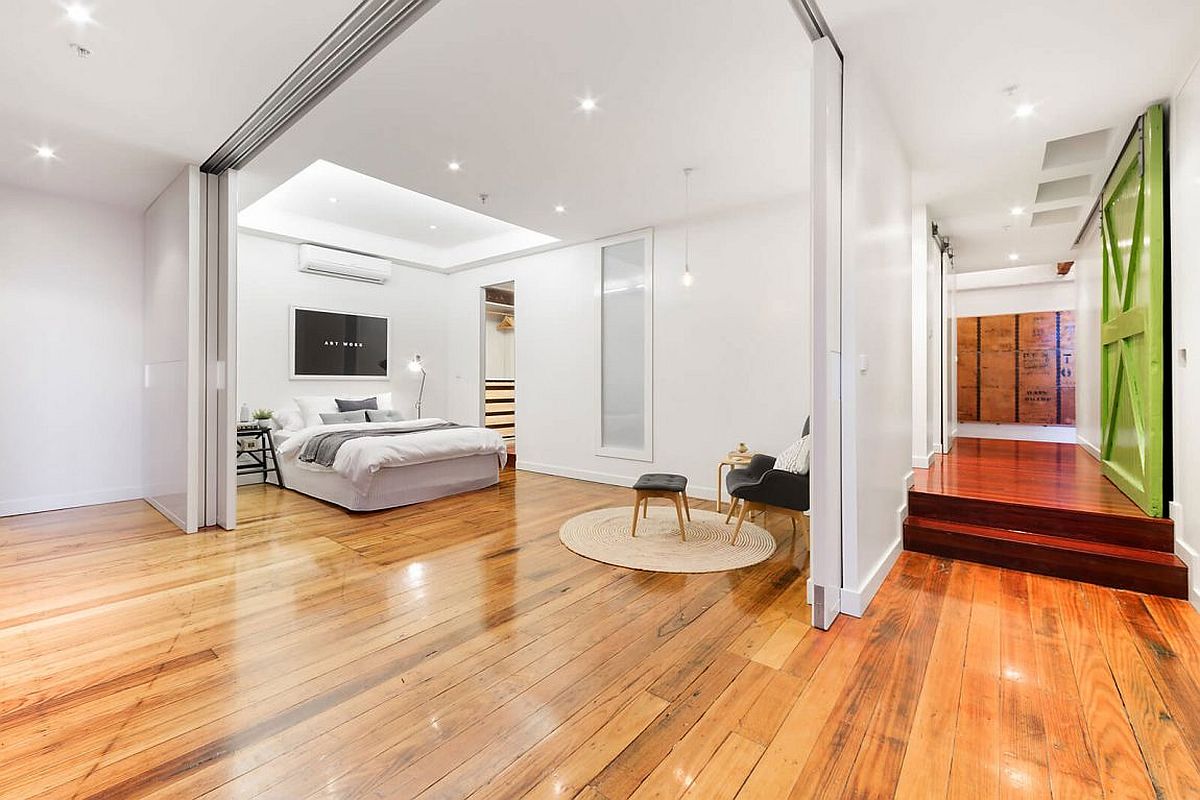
<point x="261" y="455"/>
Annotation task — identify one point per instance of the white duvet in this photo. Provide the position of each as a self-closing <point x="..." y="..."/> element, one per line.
<point x="359" y="459"/>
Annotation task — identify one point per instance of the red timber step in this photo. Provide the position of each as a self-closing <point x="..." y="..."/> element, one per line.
<point x="1152" y="571"/>
<point x="1147" y="533"/>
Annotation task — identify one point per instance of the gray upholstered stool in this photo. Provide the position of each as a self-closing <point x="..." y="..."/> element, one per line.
<point x="661" y="484"/>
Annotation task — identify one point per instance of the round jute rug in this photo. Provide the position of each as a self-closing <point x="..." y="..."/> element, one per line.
<point x="603" y="535"/>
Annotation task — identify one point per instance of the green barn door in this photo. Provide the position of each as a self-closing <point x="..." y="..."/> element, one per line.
<point x="1131" y="317"/>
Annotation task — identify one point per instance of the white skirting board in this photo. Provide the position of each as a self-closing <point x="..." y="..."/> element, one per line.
<point x="925" y="461"/>
<point x="1092" y="449"/>
<point x="166" y="512"/>
<point x="55" y="502"/>
<point x="855" y="601"/>
<point x="1187" y="554"/>
<point x="693" y="490"/>
<point x="1063" y="434"/>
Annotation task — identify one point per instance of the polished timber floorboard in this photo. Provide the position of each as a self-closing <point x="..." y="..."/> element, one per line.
<point x="455" y="649"/>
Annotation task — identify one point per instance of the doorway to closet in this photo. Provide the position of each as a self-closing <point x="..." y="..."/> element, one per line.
<point x="498" y="362"/>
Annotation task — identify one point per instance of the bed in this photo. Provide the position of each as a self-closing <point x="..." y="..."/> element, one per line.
<point x="369" y="466"/>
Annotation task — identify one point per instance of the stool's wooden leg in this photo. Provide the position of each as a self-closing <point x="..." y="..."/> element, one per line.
<point x="646" y="508"/>
<point x="741" y="519"/>
<point x="733" y="504"/>
<point x="679" y="515"/>
<point x="637" y="502"/>
<point x="687" y="509"/>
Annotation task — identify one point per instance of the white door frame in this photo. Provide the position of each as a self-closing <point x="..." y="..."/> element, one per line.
<point x="825" y="475"/>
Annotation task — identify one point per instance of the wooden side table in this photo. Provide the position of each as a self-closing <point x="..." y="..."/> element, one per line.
<point x="731" y="461"/>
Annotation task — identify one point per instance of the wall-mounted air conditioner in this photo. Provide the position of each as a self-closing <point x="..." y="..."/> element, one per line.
<point x="341" y="264"/>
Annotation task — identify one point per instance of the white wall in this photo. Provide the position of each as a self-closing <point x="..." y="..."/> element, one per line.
<point x="70" y="352"/>
<point x="876" y="334"/>
<point x="730" y="353"/>
<point x="1014" y="290"/>
<point x="1088" y="271"/>
<point x="269" y="284"/>
<point x="1185" y="322"/>
<point x="926" y="340"/>
<point x="171" y="349"/>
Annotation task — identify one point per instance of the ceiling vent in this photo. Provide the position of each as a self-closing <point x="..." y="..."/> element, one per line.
<point x="1057" y="216"/>
<point x="1075" y="150"/>
<point x="1064" y="189"/>
<point x="343" y="264"/>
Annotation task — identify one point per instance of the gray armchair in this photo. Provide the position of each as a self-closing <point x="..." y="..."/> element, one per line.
<point x="760" y="487"/>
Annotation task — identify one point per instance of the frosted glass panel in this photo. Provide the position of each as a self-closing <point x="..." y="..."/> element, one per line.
<point x="623" y="320"/>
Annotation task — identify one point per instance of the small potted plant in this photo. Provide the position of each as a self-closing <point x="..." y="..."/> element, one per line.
<point x="263" y="416"/>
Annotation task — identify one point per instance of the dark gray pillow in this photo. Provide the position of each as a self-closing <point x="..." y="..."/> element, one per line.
<point x="356" y="405"/>
<point x="385" y="415"/>
<point x="336" y="417"/>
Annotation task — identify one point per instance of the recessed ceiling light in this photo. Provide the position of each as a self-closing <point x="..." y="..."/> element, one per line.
<point x="1014" y="256"/>
<point x="45" y="152"/>
<point x="333" y="199"/>
<point x="587" y="104"/>
<point x="560" y="209"/>
<point x="433" y="227"/>
<point x="454" y="166"/>
<point x="1024" y="111"/>
<point x="79" y="13"/>
<point x="1016" y="211"/>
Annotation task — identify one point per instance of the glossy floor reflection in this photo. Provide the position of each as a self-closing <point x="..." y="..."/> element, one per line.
<point x="455" y="649"/>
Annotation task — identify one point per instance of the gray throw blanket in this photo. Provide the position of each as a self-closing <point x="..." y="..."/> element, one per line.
<point x="323" y="448"/>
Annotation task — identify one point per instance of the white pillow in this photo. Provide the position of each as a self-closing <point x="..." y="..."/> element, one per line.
<point x="313" y="406"/>
<point x="290" y="419"/>
<point x="795" y="456"/>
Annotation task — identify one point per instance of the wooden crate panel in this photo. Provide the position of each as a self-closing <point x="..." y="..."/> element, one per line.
<point x="1067" y="417"/>
<point x="998" y="370"/>
<point x="996" y="404"/>
<point x="501" y="420"/>
<point x="968" y="334"/>
<point x="968" y="371"/>
<point x="1038" y="331"/>
<point x="1066" y="369"/>
<point x="968" y="406"/>
<point x="1066" y="330"/>
<point x="998" y="332"/>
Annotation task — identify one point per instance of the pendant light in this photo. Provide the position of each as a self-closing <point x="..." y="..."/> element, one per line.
<point x="687" y="279"/>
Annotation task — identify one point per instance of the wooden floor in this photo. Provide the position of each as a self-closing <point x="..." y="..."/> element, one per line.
<point x="1033" y="473"/>
<point x="455" y="649"/>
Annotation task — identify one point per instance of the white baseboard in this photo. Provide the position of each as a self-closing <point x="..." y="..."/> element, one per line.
<point x="56" y="502"/>
<point x="1187" y="554"/>
<point x="612" y="479"/>
<point x="924" y="462"/>
<point x="909" y="481"/>
<point x="166" y="512"/>
<point x="1063" y="434"/>
<point x="855" y="601"/>
<point x="1091" y="449"/>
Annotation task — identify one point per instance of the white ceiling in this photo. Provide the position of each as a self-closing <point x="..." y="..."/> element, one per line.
<point x="942" y="66"/>
<point x="330" y="204"/>
<point x="496" y="86"/>
<point x="166" y="84"/>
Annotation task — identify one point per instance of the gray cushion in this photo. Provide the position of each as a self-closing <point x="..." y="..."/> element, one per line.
<point x="355" y="405"/>
<point x="661" y="482"/>
<point x="384" y="415"/>
<point x="337" y="417"/>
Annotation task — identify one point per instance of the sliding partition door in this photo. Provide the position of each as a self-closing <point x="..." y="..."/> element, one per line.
<point x="172" y="428"/>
